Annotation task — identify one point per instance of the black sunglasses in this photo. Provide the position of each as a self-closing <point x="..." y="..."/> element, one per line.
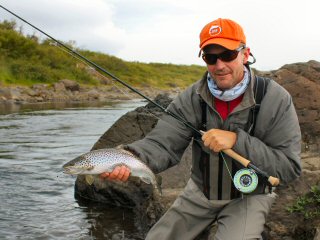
<point x="226" y="56"/>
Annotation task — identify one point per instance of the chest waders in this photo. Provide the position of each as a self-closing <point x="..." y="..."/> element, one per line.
<point x="260" y="88"/>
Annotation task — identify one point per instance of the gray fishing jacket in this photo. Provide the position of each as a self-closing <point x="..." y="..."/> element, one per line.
<point x="274" y="148"/>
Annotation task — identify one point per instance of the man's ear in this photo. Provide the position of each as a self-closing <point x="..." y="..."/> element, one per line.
<point x="246" y="54"/>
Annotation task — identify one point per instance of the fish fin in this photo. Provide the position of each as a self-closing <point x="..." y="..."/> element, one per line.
<point x="146" y="180"/>
<point x="159" y="189"/>
<point x="89" y="179"/>
<point x="127" y="152"/>
<point x="158" y="184"/>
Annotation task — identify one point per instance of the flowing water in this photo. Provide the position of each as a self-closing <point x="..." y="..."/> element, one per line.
<point x="36" y="198"/>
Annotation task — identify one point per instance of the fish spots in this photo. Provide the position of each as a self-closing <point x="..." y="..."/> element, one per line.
<point x="105" y="160"/>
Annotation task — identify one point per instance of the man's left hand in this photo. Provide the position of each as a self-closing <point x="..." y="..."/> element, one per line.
<point x="217" y="139"/>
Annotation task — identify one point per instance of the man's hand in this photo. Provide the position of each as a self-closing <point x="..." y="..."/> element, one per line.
<point x="121" y="173"/>
<point x="218" y="140"/>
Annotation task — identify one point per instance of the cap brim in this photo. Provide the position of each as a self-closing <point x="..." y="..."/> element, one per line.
<point x="227" y="43"/>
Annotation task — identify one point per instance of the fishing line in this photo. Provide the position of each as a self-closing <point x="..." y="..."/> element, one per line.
<point x="122" y="90"/>
<point x="245" y="162"/>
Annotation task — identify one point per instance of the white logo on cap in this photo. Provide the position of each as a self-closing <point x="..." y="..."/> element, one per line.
<point x="215" y="30"/>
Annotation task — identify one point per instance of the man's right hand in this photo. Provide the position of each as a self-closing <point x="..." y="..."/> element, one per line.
<point x="120" y="173"/>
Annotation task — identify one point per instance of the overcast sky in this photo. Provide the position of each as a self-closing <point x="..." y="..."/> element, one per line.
<point x="167" y="31"/>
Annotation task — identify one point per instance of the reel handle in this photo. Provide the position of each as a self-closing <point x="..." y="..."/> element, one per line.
<point x="246" y="163"/>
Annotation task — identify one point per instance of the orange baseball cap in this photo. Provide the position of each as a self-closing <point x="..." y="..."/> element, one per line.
<point x="224" y="32"/>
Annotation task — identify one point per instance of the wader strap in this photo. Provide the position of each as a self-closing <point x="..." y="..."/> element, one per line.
<point x="260" y="89"/>
<point x="205" y="157"/>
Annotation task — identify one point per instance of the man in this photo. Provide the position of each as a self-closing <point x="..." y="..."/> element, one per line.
<point x="221" y="104"/>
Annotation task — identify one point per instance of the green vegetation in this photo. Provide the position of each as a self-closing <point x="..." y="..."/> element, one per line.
<point x="308" y="205"/>
<point x="25" y="60"/>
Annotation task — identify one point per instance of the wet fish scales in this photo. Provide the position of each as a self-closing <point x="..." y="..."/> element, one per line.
<point x="105" y="160"/>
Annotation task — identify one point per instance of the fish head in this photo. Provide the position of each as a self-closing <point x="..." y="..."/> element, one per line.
<point x="79" y="165"/>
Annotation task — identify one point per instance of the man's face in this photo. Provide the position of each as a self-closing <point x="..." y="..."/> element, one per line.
<point x="227" y="74"/>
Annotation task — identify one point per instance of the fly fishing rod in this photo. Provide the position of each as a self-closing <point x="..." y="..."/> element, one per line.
<point x="245" y="162"/>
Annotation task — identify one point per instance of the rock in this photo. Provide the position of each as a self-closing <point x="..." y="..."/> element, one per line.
<point x="94" y="94"/>
<point x="302" y="81"/>
<point x="40" y="87"/>
<point x="317" y="234"/>
<point x="5" y="93"/>
<point x="59" y="87"/>
<point x="133" y="125"/>
<point x="41" y="93"/>
<point x="70" y="85"/>
<point x="105" y="81"/>
<point x="310" y="71"/>
<point x="39" y="99"/>
<point x="12" y="94"/>
<point x="134" y="194"/>
<point x="60" y="97"/>
<point x="311" y="163"/>
<point x="30" y="92"/>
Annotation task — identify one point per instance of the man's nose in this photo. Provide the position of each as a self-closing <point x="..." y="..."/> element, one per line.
<point x="219" y="64"/>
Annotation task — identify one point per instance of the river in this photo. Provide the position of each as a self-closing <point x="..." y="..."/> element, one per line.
<point x="36" y="198"/>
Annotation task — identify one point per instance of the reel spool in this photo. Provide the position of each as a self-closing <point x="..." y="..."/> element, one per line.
<point x="245" y="180"/>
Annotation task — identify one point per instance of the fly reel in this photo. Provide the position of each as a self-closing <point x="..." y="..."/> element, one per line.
<point x="245" y="180"/>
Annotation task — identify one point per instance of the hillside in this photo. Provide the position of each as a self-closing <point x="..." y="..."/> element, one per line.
<point x="27" y="60"/>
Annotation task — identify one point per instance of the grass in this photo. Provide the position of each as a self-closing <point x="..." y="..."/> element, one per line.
<point x="307" y="205"/>
<point x="25" y="60"/>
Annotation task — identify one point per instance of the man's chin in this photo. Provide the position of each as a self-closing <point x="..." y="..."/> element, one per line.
<point x="224" y="83"/>
<point x="222" y="77"/>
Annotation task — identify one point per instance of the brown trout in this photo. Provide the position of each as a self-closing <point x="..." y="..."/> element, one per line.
<point x="105" y="160"/>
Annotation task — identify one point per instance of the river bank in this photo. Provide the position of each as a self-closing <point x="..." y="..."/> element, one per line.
<point x="70" y="91"/>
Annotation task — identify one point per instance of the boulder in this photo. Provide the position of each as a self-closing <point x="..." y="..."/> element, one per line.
<point x="93" y="94"/>
<point x="59" y="87"/>
<point x="40" y="87"/>
<point x="12" y="94"/>
<point x="70" y="85"/>
<point x="30" y="92"/>
<point x="302" y="81"/>
<point x="136" y="195"/>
